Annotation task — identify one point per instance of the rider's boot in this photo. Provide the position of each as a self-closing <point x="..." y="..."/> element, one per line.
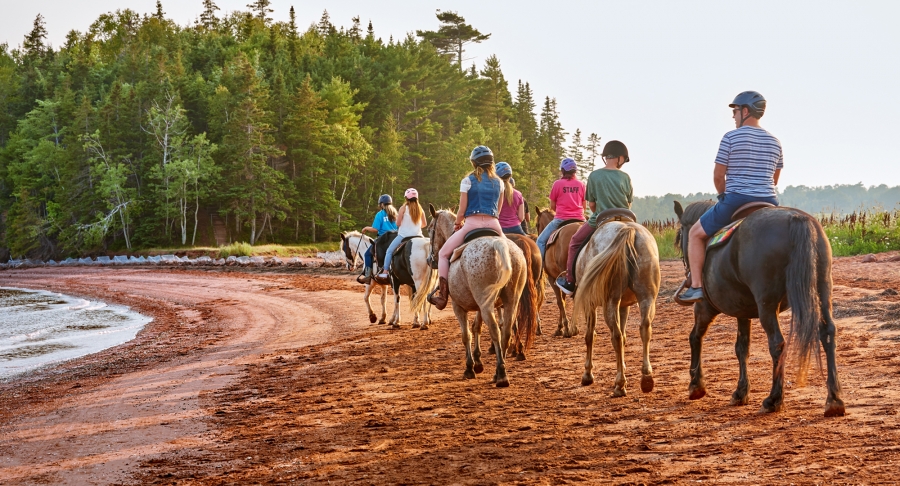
<point x="439" y="300"/>
<point x="366" y="277"/>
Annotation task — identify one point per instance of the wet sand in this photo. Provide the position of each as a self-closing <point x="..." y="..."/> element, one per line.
<point x="258" y="376"/>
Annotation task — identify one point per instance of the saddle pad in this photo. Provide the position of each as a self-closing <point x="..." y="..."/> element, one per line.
<point x="403" y="243"/>
<point x="723" y="234"/>
<point x="458" y="252"/>
<point x="555" y="234"/>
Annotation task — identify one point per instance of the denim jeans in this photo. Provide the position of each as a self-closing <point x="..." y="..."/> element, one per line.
<point x="390" y="253"/>
<point x="545" y="235"/>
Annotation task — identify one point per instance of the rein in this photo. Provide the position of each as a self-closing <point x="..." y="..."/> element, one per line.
<point x="356" y="251"/>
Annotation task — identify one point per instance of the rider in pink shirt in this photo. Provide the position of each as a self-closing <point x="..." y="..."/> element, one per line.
<point x="566" y="198"/>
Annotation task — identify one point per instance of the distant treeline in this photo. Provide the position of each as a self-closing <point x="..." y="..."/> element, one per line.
<point x="140" y="132"/>
<point x="839" y="199"/>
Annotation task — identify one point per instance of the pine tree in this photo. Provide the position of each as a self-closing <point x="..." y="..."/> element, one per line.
<point x="292" y="23"/>
<point x="453" y="35"/>
<point x="524" y="115"/>
<point x="261" y="9"/>
<point x="33" y="45"/>
<point x="576" y="152"/>
<point x="208" y="17"/>
<point x="325" y="27"/>
<point x="159" y="15"/>
<point x="593" y="150"/>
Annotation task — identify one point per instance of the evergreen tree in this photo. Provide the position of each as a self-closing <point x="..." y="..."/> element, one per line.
<point x="159" y="15"/>
<point x="593" y="150"/>
<point x="261" y="9"/>
<point x="576" y="152"/>
<point x="524" y="115"/>
<point x="208" y="17"/>
<point x="453" y="35"/>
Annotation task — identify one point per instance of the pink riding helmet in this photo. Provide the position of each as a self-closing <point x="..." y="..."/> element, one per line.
<point x="411" y="194"/>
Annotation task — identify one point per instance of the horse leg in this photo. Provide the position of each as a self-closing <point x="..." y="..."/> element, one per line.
<point x="372" y="317"/>
<point x="562" y="324"/>
<point x="648" y="312"/>
<point x="463" y="317"/>
<point x="426" y="319"/>
<point x="704" y="315"/>
<point x="395" y="319"/>
<point x="834" y="406"/>
<point x="490" y="319"/>
<point x="742" y="350"/>
<point x="588" y="377"/>
<point x="383" y="304"/>
<point x="476" y="332"/>
<point x="416" y="324"/>
<point x="769" y="320"/>
<point x="611" y="315"/>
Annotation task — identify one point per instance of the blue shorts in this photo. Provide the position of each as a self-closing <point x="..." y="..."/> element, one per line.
<point x="719" y="216"/>
<point x="515" y="230"/>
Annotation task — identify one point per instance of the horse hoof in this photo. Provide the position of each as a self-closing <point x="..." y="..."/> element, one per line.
<point x="382" y="321"/>
<point x="520" y="357"/>
<point x="619" y="392"/>
<point x="769" y="407"/>
<point x="697" y="393"/>
<point x="647" y="383"/>
<point x="479" y="368"/>
<point x="395" y="326"/>
<point x="469" y="375"/>
<point x="539" y="332"/>
<point x="502" y="382"/>
<point x="424" y="327"/>
<point x="587" y="379"/>
<point x="558" y="333"/>
<point x="416" y="325"/>
<point x="372" y="318"/>
<point x="491" y="350"/>
<point x="834" y="408"/>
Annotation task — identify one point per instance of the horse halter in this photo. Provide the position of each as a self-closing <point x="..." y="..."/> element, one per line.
<point x="350" y="262"/>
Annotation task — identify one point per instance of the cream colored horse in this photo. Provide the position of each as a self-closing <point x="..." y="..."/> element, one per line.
<point x="490" y="271"/>
<point x="618" y="267"/>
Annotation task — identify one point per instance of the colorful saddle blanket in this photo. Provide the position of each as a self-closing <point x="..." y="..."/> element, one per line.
<point x="723" y="235"/>
<point x="555" y="234"/>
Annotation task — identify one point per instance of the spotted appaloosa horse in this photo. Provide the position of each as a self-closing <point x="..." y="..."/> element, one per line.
<point x="555" y="260"/>
<point x="490" y="270"/>
<point x="354" y="244"/>
<point x="779" y="258"/>
<point x="618" y="267"/>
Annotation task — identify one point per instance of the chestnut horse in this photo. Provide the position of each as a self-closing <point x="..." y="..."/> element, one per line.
<point x="555" y="260"/>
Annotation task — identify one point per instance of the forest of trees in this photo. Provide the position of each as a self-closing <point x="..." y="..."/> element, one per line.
<point x="139" y="132"/>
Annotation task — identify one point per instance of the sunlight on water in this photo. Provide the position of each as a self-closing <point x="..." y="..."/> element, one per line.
<point x="38" y="328"/>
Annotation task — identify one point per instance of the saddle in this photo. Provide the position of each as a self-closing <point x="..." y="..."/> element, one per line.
<point x="724" y="234"/>
<point x="555" y="234"/>
<point x="471" y="236"/>
<point x="403" y="243"/>
<point x="605" y="216"/>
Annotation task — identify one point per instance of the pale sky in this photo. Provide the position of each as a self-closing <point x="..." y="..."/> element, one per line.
<point x="657" y="75"/>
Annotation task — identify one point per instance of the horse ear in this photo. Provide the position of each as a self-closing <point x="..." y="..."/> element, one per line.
<point x="431" y="209"/>
<point x="343" y="236"/>
<point x="678" y="209"/>
<point x="537" y="210"/>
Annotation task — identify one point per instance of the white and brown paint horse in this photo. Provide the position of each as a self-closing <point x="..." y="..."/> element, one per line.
<point x="618" y="267"/>
<point x="354" y="245"/>
<point x="489" y="271"/>
<point x="410" y="267"/>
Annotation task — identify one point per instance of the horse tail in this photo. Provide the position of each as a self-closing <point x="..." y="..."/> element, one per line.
<point x="606" y="274"/>
<point x="526" y="319"/>
<point x="501" y="252"/>
<point x="423" y="287"/>
<point x="802" y="292"/>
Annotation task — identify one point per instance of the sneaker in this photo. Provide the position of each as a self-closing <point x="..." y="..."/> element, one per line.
<point x="692" y="294"/>
<point x="564" y="285"/>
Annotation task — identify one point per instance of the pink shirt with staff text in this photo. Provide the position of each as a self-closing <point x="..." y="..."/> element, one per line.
<point x="569" y="197"/>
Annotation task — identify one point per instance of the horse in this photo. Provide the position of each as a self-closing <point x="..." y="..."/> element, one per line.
<point x="529" y="316"/>
<point x="555" y="260"/>
<point x="410" y="267"/>
<point x="777" y="259"/>
<point x="490" y="270"/>
<point x="354" y="244"/>
<point x="618" y="267"/>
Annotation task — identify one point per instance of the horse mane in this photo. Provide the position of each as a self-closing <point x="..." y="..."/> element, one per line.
<point x="690" y="216"/>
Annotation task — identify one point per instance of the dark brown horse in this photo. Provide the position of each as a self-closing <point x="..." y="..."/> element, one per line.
<point x="778" y="259"/>
<point x="555" y="260"/>
<point x="528" y="318"/>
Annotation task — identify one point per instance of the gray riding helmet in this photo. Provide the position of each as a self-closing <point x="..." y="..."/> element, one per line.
<point x="754" y="102"/>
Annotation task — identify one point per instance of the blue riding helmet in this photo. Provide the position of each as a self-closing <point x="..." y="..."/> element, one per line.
<point x="567" y="165"/>
<point x="385" y="199"/>
<point x="480" y="151"/>
<point x="754" y="102"/>
<point x="503" y="169"/>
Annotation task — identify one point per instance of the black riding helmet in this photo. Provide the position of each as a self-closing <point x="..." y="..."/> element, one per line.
<point x="615" y="148"/>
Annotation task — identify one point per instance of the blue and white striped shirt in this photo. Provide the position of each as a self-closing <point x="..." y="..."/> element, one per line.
<point x="751" y="156"/>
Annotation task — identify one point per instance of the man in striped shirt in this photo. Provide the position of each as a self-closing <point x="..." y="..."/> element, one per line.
<point x="747" y="168"/>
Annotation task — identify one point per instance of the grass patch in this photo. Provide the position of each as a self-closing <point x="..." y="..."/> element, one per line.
<point x="237" y="249"/>
<point x="244" y="249"/>
<point x="862" y="232"/>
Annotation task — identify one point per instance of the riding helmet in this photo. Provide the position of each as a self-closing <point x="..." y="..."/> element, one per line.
<point x="567" y="164"/>
<point x="411" y="194"/>
<point x="503" y="169"/>
<point x="480" y="151"/>
<point x="615" y="148"/>
<point x="385" y="199"/>
<point x="754" y="102"/>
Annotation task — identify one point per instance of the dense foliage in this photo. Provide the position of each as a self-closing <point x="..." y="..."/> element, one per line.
<point x="140" y="132"/>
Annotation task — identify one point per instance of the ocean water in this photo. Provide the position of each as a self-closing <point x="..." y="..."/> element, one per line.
<point x="38" y="328"/>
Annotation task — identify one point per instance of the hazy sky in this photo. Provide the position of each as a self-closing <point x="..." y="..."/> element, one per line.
<point x="657" y="75"/>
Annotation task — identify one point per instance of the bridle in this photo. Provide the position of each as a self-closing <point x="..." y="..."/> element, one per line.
<point x="431" y="258"/>
<point x="355" y="253"/>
